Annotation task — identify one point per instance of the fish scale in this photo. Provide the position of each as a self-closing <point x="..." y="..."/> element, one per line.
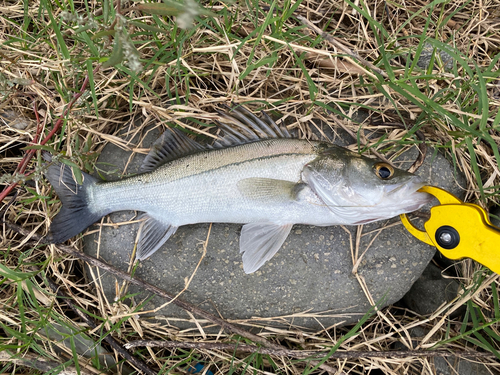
<point x="263" y="178"/>
<point x="204" y="186"/>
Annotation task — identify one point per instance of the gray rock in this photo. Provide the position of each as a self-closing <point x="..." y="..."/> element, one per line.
<point x="428" y="51"/>
<point x="444" y="365"/>
<point x="14" y="119"/>
<point x="495" y="216"/>
<point x="71" y="338"/>
<point x="312" y="273"/>
<point x="458" y="366"/>
<point x="430" y="291"/>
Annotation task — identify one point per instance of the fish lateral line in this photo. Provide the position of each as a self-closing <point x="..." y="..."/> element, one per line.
<point x="249" y="161"/>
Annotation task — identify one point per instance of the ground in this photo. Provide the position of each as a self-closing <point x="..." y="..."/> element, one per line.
<point x="74" y="73"/>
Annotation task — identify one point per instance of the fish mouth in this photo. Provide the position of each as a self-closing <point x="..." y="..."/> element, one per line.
<point x="410" y="187"/>
<point x="418" y="200"/>
<point x="408" y="196"/>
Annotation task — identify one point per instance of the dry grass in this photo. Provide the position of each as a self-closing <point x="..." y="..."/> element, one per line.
<point x="268" y="60"/>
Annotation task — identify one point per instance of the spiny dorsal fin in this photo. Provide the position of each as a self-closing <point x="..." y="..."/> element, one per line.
<point x="239" y="125"/>
<point x="242" y="126"/>
<point x="172" y="144"/>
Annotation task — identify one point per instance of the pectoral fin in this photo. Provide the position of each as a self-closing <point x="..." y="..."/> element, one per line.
<point x="260" y="241"/>
<point x="153" y="234"/>
<point x="268" y="189"/>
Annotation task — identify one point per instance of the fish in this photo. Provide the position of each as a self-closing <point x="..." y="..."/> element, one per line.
<point x="256" y="174"/>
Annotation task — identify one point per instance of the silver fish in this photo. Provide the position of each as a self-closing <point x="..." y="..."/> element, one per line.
<point x="256" y="175"/>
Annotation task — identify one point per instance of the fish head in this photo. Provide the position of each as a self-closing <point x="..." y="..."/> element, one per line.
<point x="365" y="189"/>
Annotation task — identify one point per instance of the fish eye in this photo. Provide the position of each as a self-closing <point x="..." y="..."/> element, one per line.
<point x="384" y="171"/>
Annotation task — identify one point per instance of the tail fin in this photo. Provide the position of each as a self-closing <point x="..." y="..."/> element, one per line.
<point x="76" y="214"/>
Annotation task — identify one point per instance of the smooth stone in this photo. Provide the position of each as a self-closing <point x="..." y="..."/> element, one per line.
<point x="429" y="51"/>
<point x="309" y="283"/>
<point x="459" y="366"/>
<point x="430" y="291"/>
<point x="444" y="365"/>
<point x="495" y="216"/>
<point x="72" y="338"/>
<point x="15" y="119"/>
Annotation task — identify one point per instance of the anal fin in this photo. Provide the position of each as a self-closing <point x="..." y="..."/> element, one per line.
<point x="260" y="241"/>
<point x="153" y="234"/>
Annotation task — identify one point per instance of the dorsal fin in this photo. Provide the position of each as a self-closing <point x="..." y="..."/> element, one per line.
<point x="242" y="126"/>
<point x="238" y="124"/>
<point x="172" y="144"/>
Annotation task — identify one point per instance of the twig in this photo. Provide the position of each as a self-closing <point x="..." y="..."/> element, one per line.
<point x="21" y="168"/>
<point x="24" y="162"/>
<point x="330" y="39"/>
<point x="107" y="336"/>
<point x="159" y="292"/>
<point x="306" y="353"/>
<point x="146" y="286"/>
